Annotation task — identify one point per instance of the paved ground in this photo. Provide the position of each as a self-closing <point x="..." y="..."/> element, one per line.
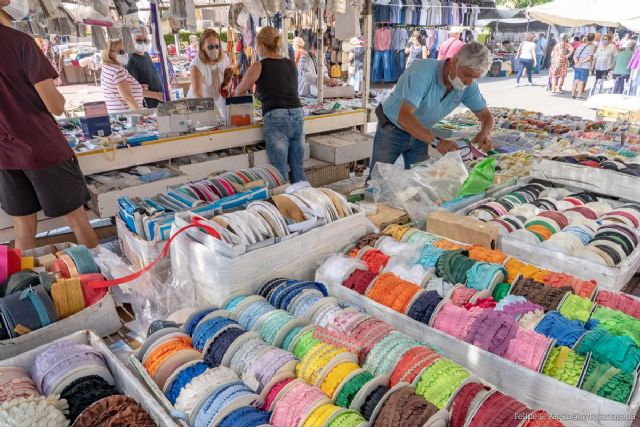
<point x="499" y="92"/>
<point x="502" y="92"/>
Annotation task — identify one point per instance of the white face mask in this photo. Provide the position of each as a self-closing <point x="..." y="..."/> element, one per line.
<point x="213" y="53"/>
<point x="122" y="59"/>
<point x="457" y="82"/>
<point x="17" y="9"/>
<point x="141" y="47"/>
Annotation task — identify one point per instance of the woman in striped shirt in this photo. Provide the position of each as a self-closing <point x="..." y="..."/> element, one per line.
<point x="121" y="91"/>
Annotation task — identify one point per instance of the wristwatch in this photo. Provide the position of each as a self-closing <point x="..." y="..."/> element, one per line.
<point x="435" y="142"/>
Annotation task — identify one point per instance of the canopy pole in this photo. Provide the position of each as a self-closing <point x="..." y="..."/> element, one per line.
<point x="320" y="59"/>
<point x="162" y="50"/>
<point x="366" y="72"/>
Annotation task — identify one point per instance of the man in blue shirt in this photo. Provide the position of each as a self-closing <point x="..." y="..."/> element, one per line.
<point x="541" y="48"/>
<point x="426" y="93"/>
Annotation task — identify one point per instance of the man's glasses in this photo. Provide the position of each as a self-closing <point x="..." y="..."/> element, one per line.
<point x="146" y="41"/>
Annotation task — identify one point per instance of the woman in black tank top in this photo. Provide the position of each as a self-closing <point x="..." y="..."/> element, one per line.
<point x="276" y="80"/>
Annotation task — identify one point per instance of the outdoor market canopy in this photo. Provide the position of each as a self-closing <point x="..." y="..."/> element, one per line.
<point x="578" y="13"/>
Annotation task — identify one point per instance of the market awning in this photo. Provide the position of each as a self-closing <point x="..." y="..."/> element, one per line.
<point x="578" y="13"/>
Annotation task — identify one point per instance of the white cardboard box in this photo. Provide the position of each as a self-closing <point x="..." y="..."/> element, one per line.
<point x="126" y="382"/>
<point x="106" y="204"/>
<point x="341" y="147"/>
<point x="203" y="170"/>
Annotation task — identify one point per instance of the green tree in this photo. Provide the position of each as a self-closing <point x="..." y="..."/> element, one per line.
<point x="520" y="4"/>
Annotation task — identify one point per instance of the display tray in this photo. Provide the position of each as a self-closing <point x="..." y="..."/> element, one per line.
<point x="602" y="181"/>
<point x="614" y="278"/>
<point x="126" y="382"/>
<point x="215" y="276"/>
<point x="105" y="204"/>
<point x="576" y="407"/>
<point x="203" y="170"/>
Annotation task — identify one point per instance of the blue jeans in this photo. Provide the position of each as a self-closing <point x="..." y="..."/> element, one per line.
<point x="382" y="68"/>
<point x="539" y="60"/>
<point x="391" y="142"/>
<point x="400" y="62"/>
<point x="522" y="64"/>
<point x="284" y="136"/>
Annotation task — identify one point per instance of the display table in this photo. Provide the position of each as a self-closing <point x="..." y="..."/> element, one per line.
<point x="168" y="148"/>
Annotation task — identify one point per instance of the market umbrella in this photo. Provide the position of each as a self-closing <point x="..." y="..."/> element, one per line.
<point x="577" y="13"/>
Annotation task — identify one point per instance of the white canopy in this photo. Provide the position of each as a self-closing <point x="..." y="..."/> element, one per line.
<point x="578" y="13"/>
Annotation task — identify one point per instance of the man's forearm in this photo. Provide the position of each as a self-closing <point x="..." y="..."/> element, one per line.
<point x="408" y="121"/>
<point x="487" y="121"/>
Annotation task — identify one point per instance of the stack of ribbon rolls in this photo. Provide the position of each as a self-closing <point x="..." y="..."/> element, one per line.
<point x="487" y="312"/>
<point x="69" y="384"/>
<point x="51" y="287"/>
<point x="389" y="358"/>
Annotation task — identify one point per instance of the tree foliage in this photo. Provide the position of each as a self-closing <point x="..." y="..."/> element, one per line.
<point x="520" y="4"/>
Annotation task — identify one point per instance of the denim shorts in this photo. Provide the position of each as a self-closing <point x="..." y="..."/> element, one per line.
<point x="581" y="74"/>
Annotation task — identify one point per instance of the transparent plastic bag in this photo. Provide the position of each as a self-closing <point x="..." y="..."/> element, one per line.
<point x="421" y="189"/>
<point x="154" y="295"/>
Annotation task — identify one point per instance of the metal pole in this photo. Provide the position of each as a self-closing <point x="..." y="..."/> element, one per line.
<point x="285" y="37"/>
<point x="320" y="59"/>
<point x="368" y="35"/>
<point x="162" y="50"/>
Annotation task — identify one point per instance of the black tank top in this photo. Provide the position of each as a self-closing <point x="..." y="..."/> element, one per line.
<point x="277" y="86"/>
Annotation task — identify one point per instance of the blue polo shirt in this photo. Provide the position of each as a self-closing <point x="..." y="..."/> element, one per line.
<point x="422" y="86"/>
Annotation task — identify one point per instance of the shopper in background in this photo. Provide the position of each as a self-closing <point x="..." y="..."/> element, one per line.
<point x="356" y="63"/>
<point x="38" y="170"/>
<point x="416" y="48"/>
<point x="425" y="94"/>
<point x="584" y="59"/>
<point x="526" y="57"/>
<point x="308" y="68"/>
<point x="452" y="45"/>
<point x="121" y="91"/>
<point x="605" y="58"/>
<point x="559" y="63"/>
<point x="574" y="45"/>
<point x="208" y="70"/>
<point x="621" y="70"/>
<point x="192" y="50"/>
<point x="624" y="43"/>
<point x="541" y="49"/>
<point x="141" y="67"/>
<point x="298" y="49"/>
<point x="276" y="80"/>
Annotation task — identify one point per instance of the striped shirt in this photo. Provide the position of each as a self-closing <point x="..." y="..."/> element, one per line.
<point x="110" y="77"/>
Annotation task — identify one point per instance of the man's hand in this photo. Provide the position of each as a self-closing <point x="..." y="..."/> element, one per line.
<point x="447" y="146"/>
<point x="483" y="140"/>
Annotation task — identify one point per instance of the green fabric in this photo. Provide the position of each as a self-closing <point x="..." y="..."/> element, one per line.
<point x="622" y="62"/>
<point x="480" y="178"/>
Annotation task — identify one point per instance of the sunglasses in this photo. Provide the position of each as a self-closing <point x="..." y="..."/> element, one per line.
<point x="143" y="41"/>
<point x="213" y="46"/>
<point x="120" y="52"/>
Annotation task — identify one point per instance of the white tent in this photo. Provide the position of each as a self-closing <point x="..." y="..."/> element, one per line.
<point x="578" y="13"/>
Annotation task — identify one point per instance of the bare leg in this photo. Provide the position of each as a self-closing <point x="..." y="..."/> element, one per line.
<point x="25" y="228"/>
<point x="79" y="223"/>
<point x="581" y="86"/>
<point x="560" y="84"/>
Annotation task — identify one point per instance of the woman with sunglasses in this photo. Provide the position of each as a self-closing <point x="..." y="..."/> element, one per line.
<point x="207" y="69"/>
<point x="121" y="90"/>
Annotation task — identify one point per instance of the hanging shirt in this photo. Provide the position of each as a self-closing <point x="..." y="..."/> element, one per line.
<point x="308" y="74"/>
<point x="382" y="39"/>
<point x="400" y="39"/>
<point x="422" y="86"/>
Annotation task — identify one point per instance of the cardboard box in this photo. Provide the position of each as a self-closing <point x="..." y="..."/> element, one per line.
<point x="386" y="215"/>
<point x="320" y="173"/>
<point x="341" y="147"/>
<point x="463" y="229"/>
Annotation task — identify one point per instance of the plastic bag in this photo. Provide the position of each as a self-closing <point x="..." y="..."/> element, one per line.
<point x="480" y="178"/>
<point x="153" y="296"/>
<point x="421" y="189"/>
